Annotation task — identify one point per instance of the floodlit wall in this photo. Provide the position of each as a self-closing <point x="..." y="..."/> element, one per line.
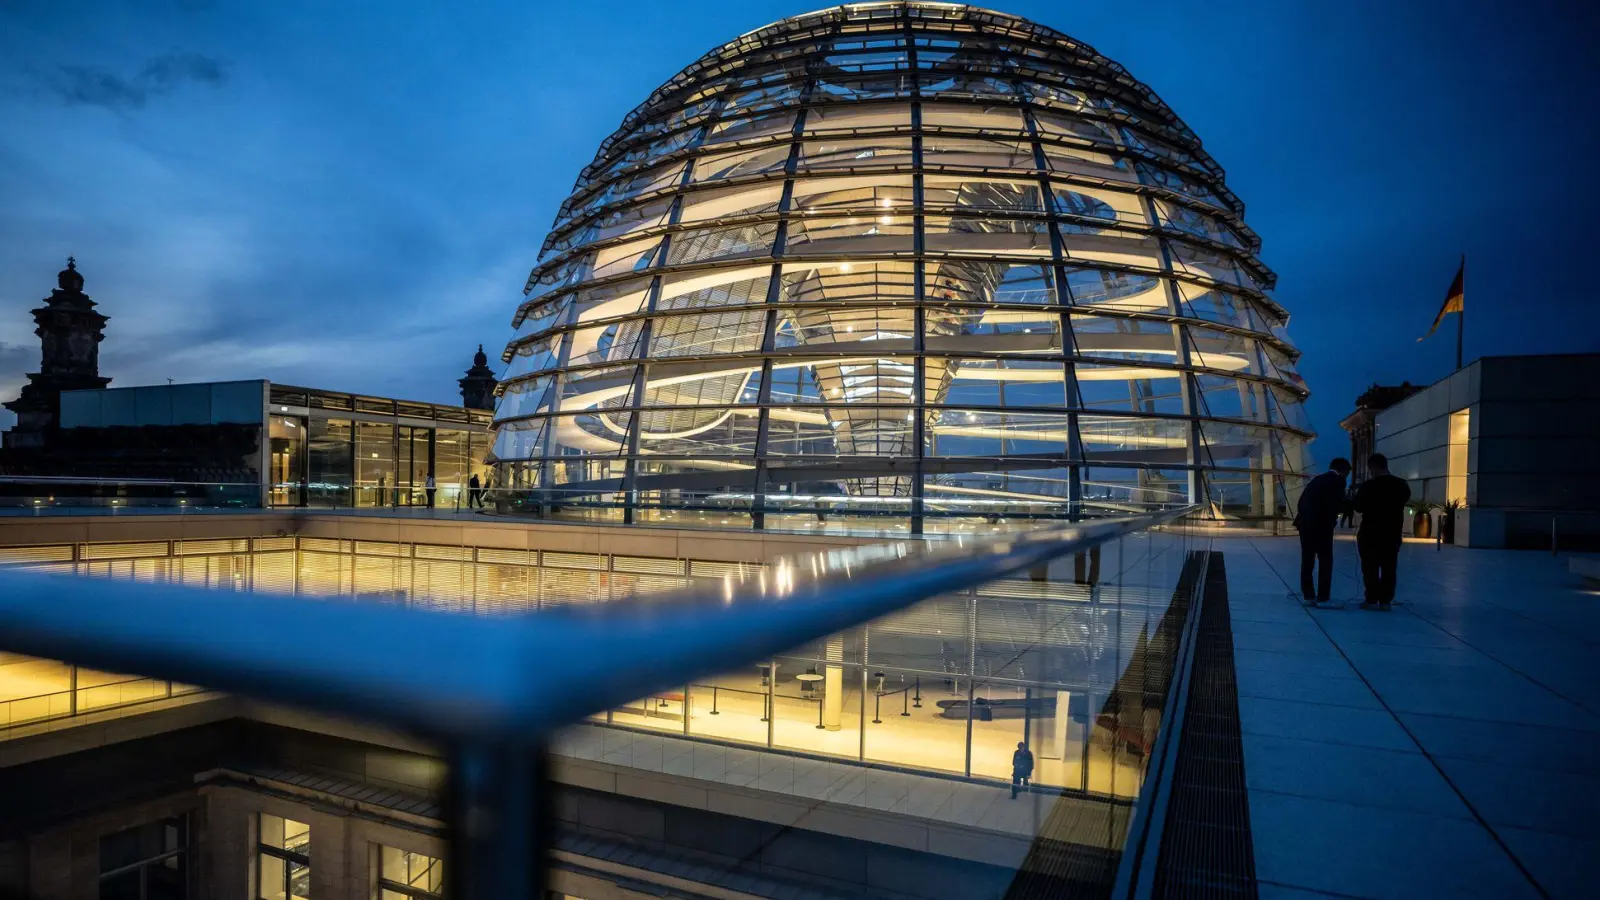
<point x="1532" y="452"/>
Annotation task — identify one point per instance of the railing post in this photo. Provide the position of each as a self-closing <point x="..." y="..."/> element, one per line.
<point x="500" y="818"/>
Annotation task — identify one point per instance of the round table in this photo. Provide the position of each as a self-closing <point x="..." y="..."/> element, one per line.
<point x="808" y="682"/>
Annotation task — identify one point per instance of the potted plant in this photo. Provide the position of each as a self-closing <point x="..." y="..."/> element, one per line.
<point x="1422" y="519"/>
<point x="1447" y="522"/>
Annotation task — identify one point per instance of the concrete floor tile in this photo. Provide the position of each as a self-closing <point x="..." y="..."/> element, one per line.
<point x="1283" y="685"/>
<point x="1279" y="892"/>
<point x="1563" y="866"/>
<point x="1320" y="722"/>
<point x="1498" y="701"/>
<point x="1358" y="775"/>
<point x="1316" y="665"/>
<point x="1555" y="802"/>
<point x="1520" y="747"/>
<point x="1363" y="851"/>
<point x="1307" y="643"/>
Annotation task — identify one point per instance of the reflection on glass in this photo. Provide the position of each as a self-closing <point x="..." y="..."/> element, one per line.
<point x="286" y="461"/>
<point x="404" y="874"/>
<point x="283" y="859"/>
<point x="330" y="455"/>
<point x="375" y="464"/>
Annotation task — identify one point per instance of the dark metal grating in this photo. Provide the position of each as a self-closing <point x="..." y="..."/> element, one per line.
<point x="1206" y="847"/>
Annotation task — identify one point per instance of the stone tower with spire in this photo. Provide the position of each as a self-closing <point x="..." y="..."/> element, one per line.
<point x="477" y="389"/>
<point x="70" y="331"/>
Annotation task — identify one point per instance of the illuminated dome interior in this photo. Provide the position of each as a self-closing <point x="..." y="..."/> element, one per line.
<point x="920" y="264"/>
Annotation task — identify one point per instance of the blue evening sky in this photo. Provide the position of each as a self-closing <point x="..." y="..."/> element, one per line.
<point x="349" y="194"/>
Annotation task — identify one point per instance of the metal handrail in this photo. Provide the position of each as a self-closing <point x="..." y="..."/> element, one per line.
<point x="493" y="690"/>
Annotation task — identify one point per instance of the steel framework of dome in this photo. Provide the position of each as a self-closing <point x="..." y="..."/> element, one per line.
<point x="909" y="260"/>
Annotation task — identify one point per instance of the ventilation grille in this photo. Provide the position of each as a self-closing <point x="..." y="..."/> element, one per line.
<point x="36" y="554"/>
<point x="380" y="548"/>
<point x="438" y="551"/>
<point x="211" y="547"/>
<point x="705" y="569"/>
<point x="646" y="565"/>
<point x="1205" y="845"/>
<point x="509" y="557"/>
<point x="592" y="561"/>
<point x="323" y="545"/>
<point x="124" y="551"/>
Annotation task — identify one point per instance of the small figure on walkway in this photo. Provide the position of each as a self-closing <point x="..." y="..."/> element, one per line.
<point x="1348" y="520"/>
<point x="429" y="487"/>
<point x="1382" y="504"/>
<point x="474" y="492"/>
<point x="1318" y="514"/>
<point x="1021" y="768"/>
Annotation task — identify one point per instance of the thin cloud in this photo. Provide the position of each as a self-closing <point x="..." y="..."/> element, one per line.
<point x="98" y="86"/>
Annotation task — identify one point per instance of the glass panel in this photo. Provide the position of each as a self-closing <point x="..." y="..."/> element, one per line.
<point x="955" y="432"/>
<point x="375" y="464"/>
<point x="744" y="127"/>
<point x="286" y="461"/>
<point x="1015" y="383"/>
<point x="748" y="161"/>
<point x="270" y="871"/>
<point x="412" y="870"/>
<point x="833" y="119"/>
<point x="1113" y="289"/>
<point x="450" y="466"/>
<point x="743" y="200"/>
<point x="987" y="237"/>
<point x="977" y="153"/>
<point x="285" y="834"/>
<point x="878" y="194"/>
<point x="963" y="115"/>
<point x="855" y="236"/>
<point x="330" y="457"/>
<point x="1093" y="163"/>
<point x="1232" y="398"/>
<point x="853" y="153"/>
<point x="817" y="702"/>
<point x="744" y="241"/>
<point x="950" y="191"/>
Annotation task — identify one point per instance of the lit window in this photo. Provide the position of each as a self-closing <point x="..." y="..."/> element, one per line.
<point x="403" y="874"/>
<point x="283" y="859"/>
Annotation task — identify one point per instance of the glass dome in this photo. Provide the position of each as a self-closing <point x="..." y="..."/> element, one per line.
<point x="908" y="266"/>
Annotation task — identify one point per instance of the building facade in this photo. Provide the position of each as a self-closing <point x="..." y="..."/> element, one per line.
<point x="1362" y="424"/>
<point x="255" y="443"/>
<point x="918" y="263"/>
<point x="1515" y="440"/>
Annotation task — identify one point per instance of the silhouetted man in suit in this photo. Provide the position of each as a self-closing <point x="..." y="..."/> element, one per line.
<point x="1320" y="505"/>
<point x="1382" y="503"/>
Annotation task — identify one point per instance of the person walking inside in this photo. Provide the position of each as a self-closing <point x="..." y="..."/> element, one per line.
<point x="1021" y="768"/>
<point x="1317" y="516"/>
<point x="474" y="492"/>
<point x="429" y="487"/>
<point x="1382" y="503"/>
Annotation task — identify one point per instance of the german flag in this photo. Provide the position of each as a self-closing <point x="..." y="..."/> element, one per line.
<point x="1454" y="302"/>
